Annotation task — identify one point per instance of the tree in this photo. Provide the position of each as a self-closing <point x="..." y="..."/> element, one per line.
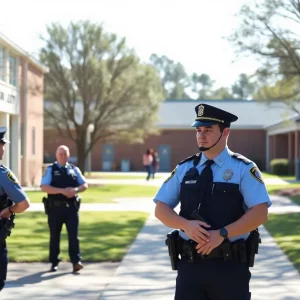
<point x="243" y="88"/>
<point x="201" y="84"/>
<point x="173" y="76"/>
<point x="95" y="79"/>
<point x="269" y="31"/>
<point x="278" y="93"/>
<point x="221" y="93"/>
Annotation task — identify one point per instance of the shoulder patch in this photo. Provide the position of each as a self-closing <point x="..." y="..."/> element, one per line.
<point x="171" y="175"/>
<point x="11" y="176"/>
<point x="187" y="159"/>
<point x="257" y="174"/>
<point x="242" y="158"/>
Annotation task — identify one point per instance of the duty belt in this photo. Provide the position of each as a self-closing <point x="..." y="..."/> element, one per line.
<point x="229" y="251"/>
<point x="60" y="203"/>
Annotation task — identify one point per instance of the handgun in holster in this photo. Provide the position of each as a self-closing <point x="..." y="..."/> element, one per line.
<point x="6" y="226"/>
<point x="253" y="242"/>
<point x="77" y="202"/>
<point x="172" y="243"/>
<point x="46" y="205"/>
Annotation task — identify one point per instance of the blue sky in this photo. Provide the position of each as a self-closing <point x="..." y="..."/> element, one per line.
<point x="189" y="31"/>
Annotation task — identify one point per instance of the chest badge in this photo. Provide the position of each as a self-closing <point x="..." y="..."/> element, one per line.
<point x="228" y="173"/>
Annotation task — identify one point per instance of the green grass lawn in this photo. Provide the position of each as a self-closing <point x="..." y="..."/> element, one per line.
<point x="104" y="236"/>
<point x="106" y="193"/>
<point x="268" y="175"/>
<point x="285" y="229"/>
<point x="274" y="188"/>
<point x="104" y="175"/>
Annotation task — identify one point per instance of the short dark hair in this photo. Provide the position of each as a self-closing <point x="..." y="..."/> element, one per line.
<point x="222" y="127"/>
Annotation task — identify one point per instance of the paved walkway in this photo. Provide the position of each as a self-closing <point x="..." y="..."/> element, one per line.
<point x="152" y="182"/>
<point x="145" y="271"/>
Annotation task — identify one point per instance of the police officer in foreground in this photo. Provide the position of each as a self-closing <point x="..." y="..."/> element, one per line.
<point x="62" y="182"/>
<point x="223" y="201"/>
<point x="13" y="200"/>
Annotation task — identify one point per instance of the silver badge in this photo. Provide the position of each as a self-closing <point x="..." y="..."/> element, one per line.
<point x="228" y="173"/>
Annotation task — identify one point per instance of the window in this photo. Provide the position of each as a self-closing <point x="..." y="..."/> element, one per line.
<point x="12" y="70"/>
<point x="33" y="140"/>
<point x="2" y="64"/>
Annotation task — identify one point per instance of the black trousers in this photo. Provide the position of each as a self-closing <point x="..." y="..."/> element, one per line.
<point x="58" y="216"/>
<point x="3" y="264"/>
<point x="212" y="280"/>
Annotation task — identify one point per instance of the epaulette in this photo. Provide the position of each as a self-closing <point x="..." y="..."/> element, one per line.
<point x="188" y="158"/>
<point x="242" y="158"/>
<point x="3" y="167"/>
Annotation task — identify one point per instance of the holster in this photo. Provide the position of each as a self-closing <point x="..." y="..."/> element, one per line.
<point x="252" y="243"/>
<point x="77" y="202"/>
<point x="172" y="242"/>
<point x="46" y="205"/>
<point x="6" y="226"/>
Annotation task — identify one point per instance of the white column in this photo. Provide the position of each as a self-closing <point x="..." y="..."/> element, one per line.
<point x="25" y="124"/>
<point x="6" y="66"/>
<point x="267" y="152"/>
<point x="15" y="145"/>
<point x="4" y="121"/>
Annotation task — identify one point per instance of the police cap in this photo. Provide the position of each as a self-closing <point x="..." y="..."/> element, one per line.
<point x="3" y="140"/>
<point x="207" y="115"/>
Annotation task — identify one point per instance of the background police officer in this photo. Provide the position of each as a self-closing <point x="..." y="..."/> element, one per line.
<point x="228" y="192"/>
<point x="11" y="193"/>
<point x="62" y="181"/>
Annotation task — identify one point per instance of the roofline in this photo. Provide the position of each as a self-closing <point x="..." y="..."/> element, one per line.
<point x="236" y="127"/>
<point x="211" y="100"/>
<point x="291" y="118"/>
<point x="6" y="41"/>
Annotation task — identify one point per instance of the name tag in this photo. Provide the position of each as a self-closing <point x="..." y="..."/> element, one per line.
<point x="190" y="181"/>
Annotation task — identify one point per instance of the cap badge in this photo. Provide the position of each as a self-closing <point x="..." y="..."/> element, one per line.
<point x="200" y="110"/>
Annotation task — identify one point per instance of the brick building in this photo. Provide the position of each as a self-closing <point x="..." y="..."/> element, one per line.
<point x="259" y="134"/>
<point x="21" y="111"/>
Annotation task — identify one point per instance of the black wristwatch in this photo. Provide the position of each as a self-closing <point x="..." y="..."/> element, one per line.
<point x="224" y="233"/>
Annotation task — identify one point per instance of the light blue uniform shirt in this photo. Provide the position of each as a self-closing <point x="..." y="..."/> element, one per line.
<point x="225" y="169"/>
<point x="10" y="185"/>
<point x="47" y="177"/>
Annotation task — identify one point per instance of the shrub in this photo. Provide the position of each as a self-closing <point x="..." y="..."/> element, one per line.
<point x="280" y="166"/>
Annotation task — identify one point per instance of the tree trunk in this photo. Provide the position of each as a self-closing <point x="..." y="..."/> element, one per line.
<point x="81" y="157"/>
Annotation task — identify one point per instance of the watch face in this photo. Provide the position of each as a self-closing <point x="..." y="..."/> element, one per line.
<point x="224" y="232"/>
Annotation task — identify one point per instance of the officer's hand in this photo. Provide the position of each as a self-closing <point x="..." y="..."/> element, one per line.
<point x="196" y="232"/>
<point x="5" y="214"/>
<point x="215" y="239"/>
<point x="70" y="192"/>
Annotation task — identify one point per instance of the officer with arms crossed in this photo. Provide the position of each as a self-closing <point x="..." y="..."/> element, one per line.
<point x="62" y="182"/>
<point x="223" y="201"/>
<point x="12" y="200"/>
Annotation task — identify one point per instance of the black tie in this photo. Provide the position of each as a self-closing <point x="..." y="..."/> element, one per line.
<point x="207" y="174"/>
<point x="64" y="170"/>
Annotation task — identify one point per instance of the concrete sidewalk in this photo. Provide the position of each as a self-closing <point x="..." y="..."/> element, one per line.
<point x="145" y="272"/>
